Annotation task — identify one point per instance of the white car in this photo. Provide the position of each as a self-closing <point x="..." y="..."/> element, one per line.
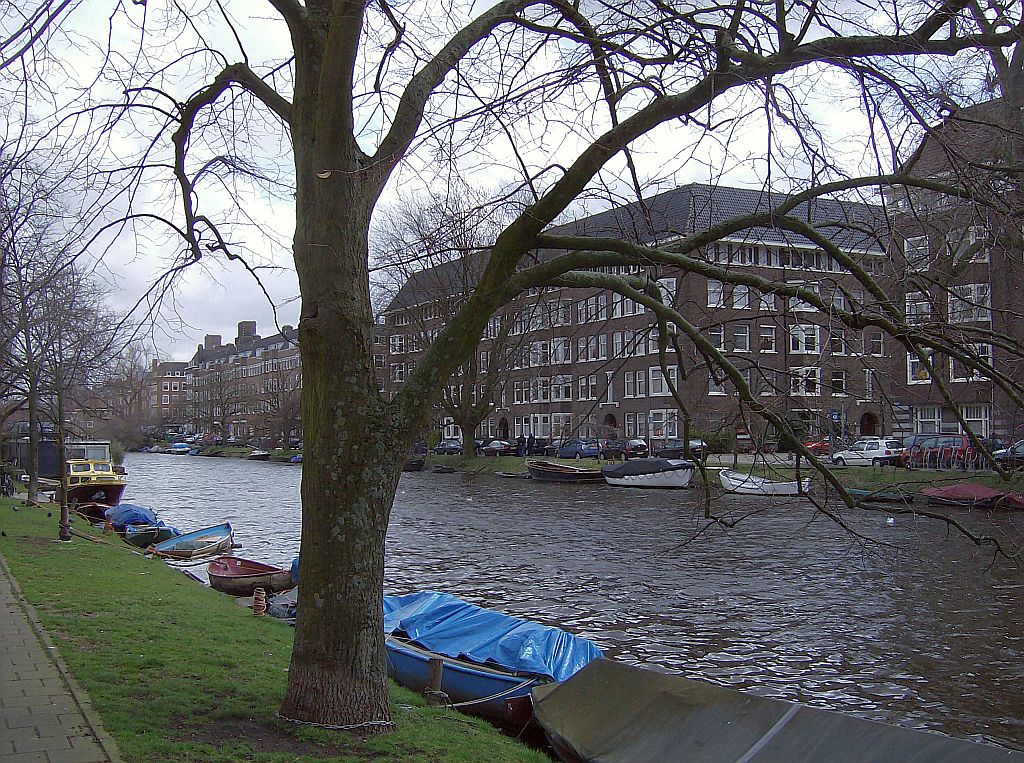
<point x="870" y="451"/>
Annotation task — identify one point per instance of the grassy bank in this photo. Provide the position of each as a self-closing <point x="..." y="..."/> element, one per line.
<point x="180" y="672"/>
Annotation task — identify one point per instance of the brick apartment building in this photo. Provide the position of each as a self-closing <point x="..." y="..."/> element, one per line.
<point x="962" y="272"/>
<point x="585" y="361"/>
<point x="248" y="389"/>
<point x="166" y="391"/>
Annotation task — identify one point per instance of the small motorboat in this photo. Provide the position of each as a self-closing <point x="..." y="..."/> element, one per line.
<point x="145" y="536"/>
<point x="552" y="471"/>
<point x="241" y="577"/>
<point x="610" y="711"/>
<point x="749" y="484"/>
<point x="199" y="543"/>
<point x="487" y="657"/>
<point x="650" y="472"/>
<point x="259" y="455"/>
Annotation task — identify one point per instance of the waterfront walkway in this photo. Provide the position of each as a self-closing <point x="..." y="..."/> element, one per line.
<point x="44" y="715"/>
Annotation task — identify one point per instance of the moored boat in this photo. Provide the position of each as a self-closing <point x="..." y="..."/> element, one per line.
<point x="240" y="577"/>
<point x="750" y="484"/>
<point x="650" y="472"/>
<point x="969" y="495"/>
<point x="610" y="711"/>
<point x="552" y="471"/>
<point x="180" y="449"/>
<point x="488" y="657"/>
<point x="259" y="455"/>
<point x="881" y="496"/>
<point x="144" y="536"/>
<point x="92" y="476"/>
<point x="198" y="543"/>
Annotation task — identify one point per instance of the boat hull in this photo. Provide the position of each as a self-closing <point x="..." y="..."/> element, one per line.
<point x="745" y="484"/>
<point x="259" y="455"/>
<point x="660" y="474"/>
<point x="147" y="536"/>
<point x="193" y="545"/>
<point x="241" y="577"/>
<point x="548" y="471"/>
<point x="476" y="690"/>
<point x="105" y="493"/>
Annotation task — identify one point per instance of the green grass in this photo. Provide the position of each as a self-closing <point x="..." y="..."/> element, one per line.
<point x="870" y="478"/>
<point x="179" y="672"/>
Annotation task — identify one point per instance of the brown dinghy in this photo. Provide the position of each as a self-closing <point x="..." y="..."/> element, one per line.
<point x="240" y="577"/>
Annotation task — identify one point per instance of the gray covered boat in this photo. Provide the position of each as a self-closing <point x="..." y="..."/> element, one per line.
<point x="610" y="712"/>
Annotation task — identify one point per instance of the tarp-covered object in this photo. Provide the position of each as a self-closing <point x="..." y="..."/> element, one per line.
<point x="974" y="496"/>
<point x="130" y="514"/>
<point x="610" y="712"/>
<point x="445" y="624"/>
<point x="646" y="466"/>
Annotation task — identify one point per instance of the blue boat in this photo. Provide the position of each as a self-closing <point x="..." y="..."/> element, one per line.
<point x="488" y="657"/>
<point x="209" y="540"/>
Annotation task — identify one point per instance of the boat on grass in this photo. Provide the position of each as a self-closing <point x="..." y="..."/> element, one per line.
<point x="881" y="496"/>
<point x="969" y="495"/>
<point x="750" y="484"/>
<point x="610" y="711"/>
<point x="488" y="657"/>
<point x="199" y="543"/>
<point x="241" y="577"/>
<point x="552" y="471"/>
<point x="650" y="472"/>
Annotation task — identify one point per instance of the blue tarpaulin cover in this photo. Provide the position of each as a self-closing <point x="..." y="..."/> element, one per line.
<point x="445" y="624"/>
<point x="130" y="514"/>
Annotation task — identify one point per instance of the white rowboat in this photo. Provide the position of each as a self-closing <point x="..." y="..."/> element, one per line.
<point x="749" y="484"/>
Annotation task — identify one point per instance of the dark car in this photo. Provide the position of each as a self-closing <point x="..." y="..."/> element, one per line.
<point x="539" y="448"/>
<point x="624" y="449"/>
<point x="499" y="448"/>
<point x="578" y="448"/>
<point x="449" y="447"/>
<point x="677" y="449"/>
<point x="1012" y="457"/>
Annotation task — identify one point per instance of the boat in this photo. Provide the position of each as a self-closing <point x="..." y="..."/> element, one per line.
<point x="415" y="464"/>
<point x="241" y="577"/>
<point x="209" y="540"/>
<point x="92" y="477"/>
<point x="969" y="495"/>
<point x="610" y="711"/>
<point x="650" y="472"/>
<point x="749" y="484"/>
<point x="259" y="455"/>
<point x="881" y="496"/>
<point x="296" y="459"/>
<point x="145" y="536"/>
<point x="180" y="449"/>
<point x="487" y="657"/>
<point x="514" y="475"/>
<point x="552" y="471"/>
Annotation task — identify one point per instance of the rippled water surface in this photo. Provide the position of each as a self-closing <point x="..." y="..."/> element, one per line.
<point x="919" y="628"/>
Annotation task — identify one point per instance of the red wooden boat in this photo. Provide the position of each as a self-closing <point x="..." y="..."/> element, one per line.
<point x="240" y="577"/>
<point x="972" y="496"/>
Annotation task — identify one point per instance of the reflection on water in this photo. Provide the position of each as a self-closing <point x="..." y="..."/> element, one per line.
<point x="920" y="630"/>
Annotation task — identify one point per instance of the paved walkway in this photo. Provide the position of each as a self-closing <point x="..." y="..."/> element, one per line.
<point x="44" y="715"/>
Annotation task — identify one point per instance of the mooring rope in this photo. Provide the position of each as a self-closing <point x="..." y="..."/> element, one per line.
<point x="332" y="727"/>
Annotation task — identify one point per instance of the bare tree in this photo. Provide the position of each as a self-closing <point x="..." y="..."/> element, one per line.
<point x="561" y="95"/>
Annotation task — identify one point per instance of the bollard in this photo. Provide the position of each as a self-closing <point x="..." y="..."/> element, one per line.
<point x="432" y="691"/>
<point x="259" y="602"/>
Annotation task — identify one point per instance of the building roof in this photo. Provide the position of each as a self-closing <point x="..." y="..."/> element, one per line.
<point x="688" y="209"/>
<point x="289" y="336"/>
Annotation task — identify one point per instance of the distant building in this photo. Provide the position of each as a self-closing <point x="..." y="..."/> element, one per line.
<point x="586" y="361"/>
<point x="166" y="392"/>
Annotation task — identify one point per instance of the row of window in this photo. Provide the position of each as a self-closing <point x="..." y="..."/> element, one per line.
<point x="967" y="303"/>
<point x="917" y="373"/>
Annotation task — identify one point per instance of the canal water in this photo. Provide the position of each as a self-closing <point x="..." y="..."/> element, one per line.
<point x="899" y="621"/>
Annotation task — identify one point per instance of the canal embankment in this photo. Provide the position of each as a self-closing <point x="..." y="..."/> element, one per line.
<point x="176" y="671"/>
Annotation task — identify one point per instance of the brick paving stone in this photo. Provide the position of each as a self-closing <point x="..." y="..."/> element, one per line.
<point x="42" y="744"/>
<point x="27" y="757"/>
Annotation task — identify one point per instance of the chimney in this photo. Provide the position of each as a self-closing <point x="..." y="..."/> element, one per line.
<point x="211" y="341"/>
<point x="286" y="329"/>
<point x="247" y="335"/>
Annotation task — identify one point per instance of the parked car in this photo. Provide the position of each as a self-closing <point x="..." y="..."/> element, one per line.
<point x="1012" y="457"/>
<point x="578" y="447"/>
<point x="539" y="447"/>
<point x="677" y="449"/>
<point x="939" y="451"/>
<point x="499" y="448"/>
<point x="871" y="451"/>
<point x="625" y="449"/>
<point x="819" y="446"/>
<point x="449" y="447"/>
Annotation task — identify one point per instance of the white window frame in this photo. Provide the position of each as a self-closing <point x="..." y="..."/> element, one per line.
<point x="801" y="378"/>
<point x="741" y="337"/>
<point x="984" y="351"/>
<point x="970" y="303"/>
<point x="763" y="334"/>
<point x="716" y="293"/>
<point x="804" y="339"/>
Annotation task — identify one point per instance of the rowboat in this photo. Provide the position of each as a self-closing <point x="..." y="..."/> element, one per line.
<point x="650" y="472"/>
<point x="487" y="657"/>
<point x="552" y="471"/>
<point x="749" y="484"/>
<point x="144" y="536"/>
<point x="969" y="495"/>
<point x="240" y="577"/>
<point x="209" y="540"/>
<point x="611" y="712"/>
